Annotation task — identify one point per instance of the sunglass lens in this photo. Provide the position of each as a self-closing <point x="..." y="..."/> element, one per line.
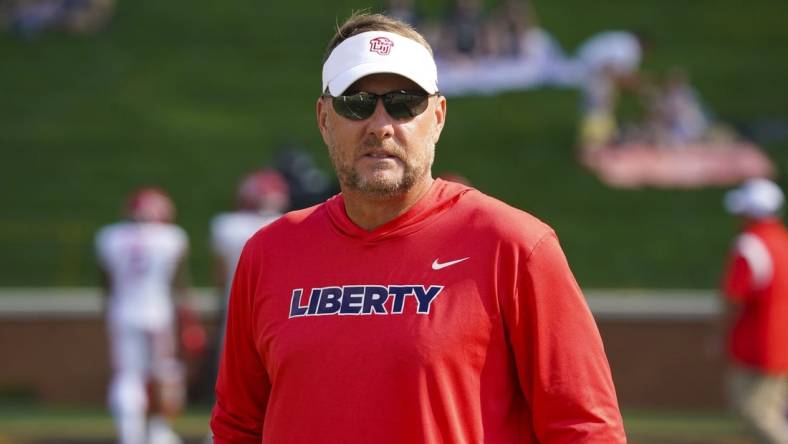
<point x="405" y="105"/>
<point x="359" y="106"/>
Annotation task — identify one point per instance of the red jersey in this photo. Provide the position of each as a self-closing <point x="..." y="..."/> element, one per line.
<point x="757" y="279"/>
<point x="457" y="322"/>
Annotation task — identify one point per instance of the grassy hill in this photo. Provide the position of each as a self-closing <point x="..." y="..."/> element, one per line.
<point x="188" y="95"/>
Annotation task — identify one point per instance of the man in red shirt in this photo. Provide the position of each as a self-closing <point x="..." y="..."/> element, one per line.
<point x="756" y="284"/>
<point x="406" y="309"/>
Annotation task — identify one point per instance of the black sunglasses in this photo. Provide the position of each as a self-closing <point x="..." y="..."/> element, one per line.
<point x="399" y="104"/>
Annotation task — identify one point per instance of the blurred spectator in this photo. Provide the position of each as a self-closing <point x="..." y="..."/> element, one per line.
<point x="142" y="261"/>
<point x="86" y="16"/>
<point x="29" y="18"/>
<point x="598" y="124"/>
<point x="5" y="11"/>
<point x="756" y="285"/>
<point x="505" y="50"/>
<point x="515" y="33"/>
<point x="308" y="185"/>
<point x="464" y="32"/>
<point x="679" y="115"/>
<point x="510" y="24"/>
<point x="617" y="52"/>
<point x="608" y="62"/>
<point x="403" y="10"/>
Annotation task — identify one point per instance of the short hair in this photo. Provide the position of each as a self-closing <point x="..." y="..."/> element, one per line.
<point x="360" y="22"/>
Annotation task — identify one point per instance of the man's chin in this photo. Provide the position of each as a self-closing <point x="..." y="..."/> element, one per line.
<point x="383" y="188"/>
<point x="382" y="184"/>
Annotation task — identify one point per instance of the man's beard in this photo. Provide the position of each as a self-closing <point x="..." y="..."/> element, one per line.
<point x="380" y="187"/>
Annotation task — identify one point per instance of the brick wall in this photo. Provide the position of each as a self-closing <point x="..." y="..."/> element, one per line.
<point x="659" y="346"/>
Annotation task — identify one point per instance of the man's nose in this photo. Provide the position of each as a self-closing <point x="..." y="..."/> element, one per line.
<point x="380" y="123"/>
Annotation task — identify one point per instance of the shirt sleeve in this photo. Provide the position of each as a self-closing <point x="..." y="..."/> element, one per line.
<point x="749" y="268"/>
<point x="243" y="385"/>
<point x="560" y="359"/>
<point x="737" y="282"/>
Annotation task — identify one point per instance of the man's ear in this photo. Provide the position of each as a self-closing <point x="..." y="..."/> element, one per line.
<point x="440" y="117"/>
<point x="321" y="112"/>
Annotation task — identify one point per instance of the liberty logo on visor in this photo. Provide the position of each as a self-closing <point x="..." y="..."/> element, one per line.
<point x="380" y="45"/>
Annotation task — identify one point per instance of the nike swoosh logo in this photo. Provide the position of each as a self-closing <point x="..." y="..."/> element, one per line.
<point x="437" y="265"/>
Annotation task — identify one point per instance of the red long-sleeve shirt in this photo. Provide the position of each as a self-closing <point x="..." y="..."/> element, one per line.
<point x="457" y="322"/>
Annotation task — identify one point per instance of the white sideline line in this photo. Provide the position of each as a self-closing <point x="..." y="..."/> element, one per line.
<point x="78" y="302"/>
<point x="654" y="304"/>
<point x="611" y="304"/>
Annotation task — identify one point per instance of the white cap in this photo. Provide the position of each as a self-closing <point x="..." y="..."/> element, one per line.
<point x="376" y="52"/>
<point x="756" y="198"/>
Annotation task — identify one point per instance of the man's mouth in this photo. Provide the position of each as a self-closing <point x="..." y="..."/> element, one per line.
<point x="380" y="155"/>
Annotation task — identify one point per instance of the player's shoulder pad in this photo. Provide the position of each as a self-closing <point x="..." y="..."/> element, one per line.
<point x="106" y="232"/>
<point x="179" y="233"/>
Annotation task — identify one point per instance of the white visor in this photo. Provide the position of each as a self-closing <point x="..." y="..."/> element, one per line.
<point x="377" y="52"/>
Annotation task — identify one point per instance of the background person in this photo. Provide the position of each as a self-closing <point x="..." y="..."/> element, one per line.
<point x="30" y="18"/>
<point x="607" y="63"/>
<point x="756" y="284"/>
<point x="143" y="265"/>
<point x="404" y="10"/>
<point x="510" y="23"/>
<point x="262" y="197"/>
<point x="405" y="309"/>
<point x="681" y="116"/>
<point x="464" y="33"/>
<point x="307" y="184"/>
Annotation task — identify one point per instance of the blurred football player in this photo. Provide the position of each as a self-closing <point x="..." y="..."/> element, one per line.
<point x="142" y="261"/>
<point x="756" y="284"/>
<point x="262" y="197"/>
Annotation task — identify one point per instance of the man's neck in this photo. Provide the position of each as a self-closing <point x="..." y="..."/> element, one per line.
<point x="370" y="212"/>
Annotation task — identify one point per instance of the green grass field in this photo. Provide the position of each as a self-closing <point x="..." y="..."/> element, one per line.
<point x="27" y="425"/>
<point x="188" y="95"/>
